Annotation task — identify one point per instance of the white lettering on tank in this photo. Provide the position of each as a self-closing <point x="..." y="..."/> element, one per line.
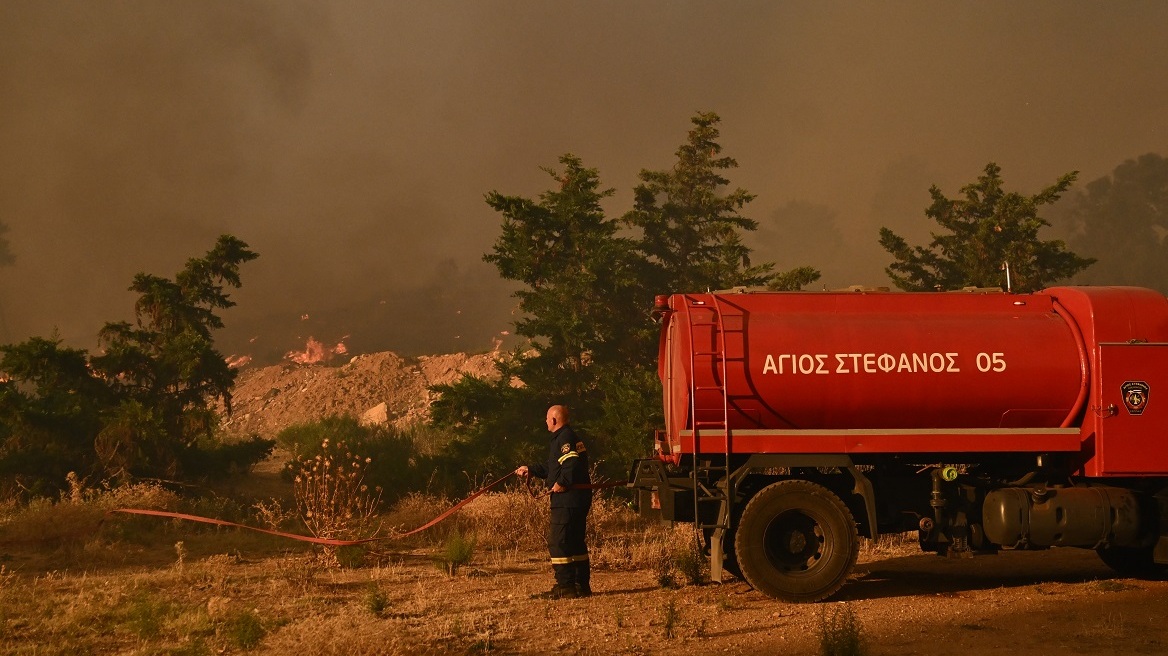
<point x="769" y="367"/>
<point x="806" y="364"/>
<point x="936" y="362"/>
<point x="952" y="368"/>
<point x="875" y="363"/>
<point x="870" y="363"/>
<point x="920" y="361"/>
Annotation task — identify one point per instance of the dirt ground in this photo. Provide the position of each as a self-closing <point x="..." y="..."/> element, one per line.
<point x="1058" y="601"/>
<point x="121" y="595"/>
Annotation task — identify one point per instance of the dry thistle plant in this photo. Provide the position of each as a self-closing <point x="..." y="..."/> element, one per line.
<point x="331" y="495"/>
<point x="180" y="551"/>
<point x="272" y="514"/>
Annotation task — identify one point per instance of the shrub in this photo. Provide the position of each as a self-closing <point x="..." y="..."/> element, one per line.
<point x="416" y="509"/>
<point x="511" y="518"/>
<point x="375" y="600"/>
<point x="670" y="618"/>
<point x="691" y="562"/>
<point x="245" y="630"/>
<point x="457" y="552"/>
<point x="395" y="464"/>
<point x="215" y="459"/>
<point x="840" y="632"/>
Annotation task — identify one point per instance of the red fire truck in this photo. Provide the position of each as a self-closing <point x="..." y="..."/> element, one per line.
<point x="797" y="421"/>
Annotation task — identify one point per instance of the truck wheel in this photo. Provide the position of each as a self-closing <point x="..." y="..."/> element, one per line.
<point x="1136" y="562"/>
<point x="796" y="541"/>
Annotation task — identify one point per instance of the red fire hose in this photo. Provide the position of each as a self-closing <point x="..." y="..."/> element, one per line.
<point x="330" y="542"/>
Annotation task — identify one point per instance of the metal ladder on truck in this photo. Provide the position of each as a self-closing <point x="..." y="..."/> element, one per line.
<point x="716" y="356"/>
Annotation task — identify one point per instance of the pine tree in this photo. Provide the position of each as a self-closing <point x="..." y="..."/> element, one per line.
<point x="588" y="287"/>
<point x="144" y="407"/>
<point x="165" y="367"/>
<point x="1122" y="219"/>
<point x="690" y="227"/>
<point x="985" y="230"/>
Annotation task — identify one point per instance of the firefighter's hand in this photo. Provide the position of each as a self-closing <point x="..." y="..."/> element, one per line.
<point x="559" y="488"/>
<point x="521" y="470"/>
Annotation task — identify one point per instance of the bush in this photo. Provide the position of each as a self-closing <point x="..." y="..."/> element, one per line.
<point x="840" y="632"/>
<point x="82" y="512"/>
<point x="458" y="551"/>
<point x="375" y="600"/>
<point x="394" y="464"/>
<point x="214" y="459"/>
<point x="691" y="562"/>
<point x="245" y="630"/>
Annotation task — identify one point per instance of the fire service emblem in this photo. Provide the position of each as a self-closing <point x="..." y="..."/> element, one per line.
<point x="1135" y="396"/>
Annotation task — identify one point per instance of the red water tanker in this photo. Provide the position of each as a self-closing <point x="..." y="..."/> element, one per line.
<point x="982" y="419"/>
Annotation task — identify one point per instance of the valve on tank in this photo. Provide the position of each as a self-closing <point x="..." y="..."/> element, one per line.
<point x="948" y="532"/>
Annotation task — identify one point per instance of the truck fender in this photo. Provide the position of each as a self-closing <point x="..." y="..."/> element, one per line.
<point x="862" y="487"/>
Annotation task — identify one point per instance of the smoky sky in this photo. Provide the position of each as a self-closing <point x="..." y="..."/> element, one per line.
<point x="351" y="143"/>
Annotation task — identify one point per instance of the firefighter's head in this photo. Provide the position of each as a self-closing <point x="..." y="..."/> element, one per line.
<point x="557" y="416"/>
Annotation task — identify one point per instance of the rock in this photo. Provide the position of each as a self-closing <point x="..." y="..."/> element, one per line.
<point x="378" y="415"/>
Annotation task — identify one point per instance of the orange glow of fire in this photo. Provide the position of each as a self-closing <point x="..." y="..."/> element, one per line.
<point x="315" y="352"/>
<point x="237" y="361"/>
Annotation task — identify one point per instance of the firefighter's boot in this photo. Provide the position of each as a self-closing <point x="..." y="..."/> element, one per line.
<point x="558" y="592"/>
<point x="583" y="575"/>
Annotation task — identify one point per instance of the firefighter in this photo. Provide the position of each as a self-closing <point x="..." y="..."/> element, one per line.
<point x="566" y="473"/>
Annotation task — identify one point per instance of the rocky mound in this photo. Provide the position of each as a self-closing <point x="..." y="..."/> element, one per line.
<point x="379" y="387"/>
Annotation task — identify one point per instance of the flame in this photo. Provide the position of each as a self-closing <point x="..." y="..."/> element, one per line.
<point x="315" y="352"/>
<point x="237" y="361"/>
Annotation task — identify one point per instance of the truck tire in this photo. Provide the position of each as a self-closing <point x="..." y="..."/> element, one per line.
<point x="796" y="541"/>
<point x="1136" y="562"/>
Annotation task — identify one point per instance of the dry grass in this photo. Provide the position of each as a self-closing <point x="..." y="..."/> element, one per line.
<point x="889" y="545"/>
<point x="75" y="581"/>
<point x="85" y="582"/>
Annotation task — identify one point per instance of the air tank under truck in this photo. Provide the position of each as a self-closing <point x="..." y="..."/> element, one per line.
<point x="797" y="421"/>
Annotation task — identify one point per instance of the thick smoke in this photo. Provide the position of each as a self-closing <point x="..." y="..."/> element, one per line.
<point x="351" y="143"/>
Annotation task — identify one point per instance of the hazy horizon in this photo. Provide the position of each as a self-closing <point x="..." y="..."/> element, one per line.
<point x="351" y="143"/>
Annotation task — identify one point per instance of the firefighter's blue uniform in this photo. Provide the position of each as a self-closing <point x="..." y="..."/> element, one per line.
<point x="567" y="464"/>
